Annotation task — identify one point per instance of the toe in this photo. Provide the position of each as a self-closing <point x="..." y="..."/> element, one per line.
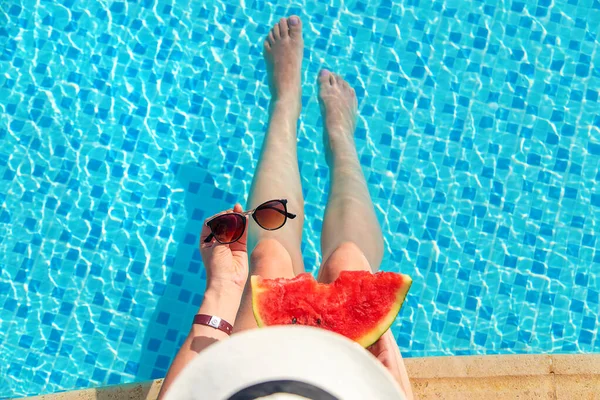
<point x="271" y="38"/>
<point x="267" y="45"/>
<point x="295" y="25"/>
<point x="283" y="27"/>
<point x="324" y="77"/>
<point x="275" y="32"/>
<point x="332" y="79"/>
<point x="343" y="83"/>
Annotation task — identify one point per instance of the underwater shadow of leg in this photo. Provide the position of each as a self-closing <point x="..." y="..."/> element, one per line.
<point x="186" y="276"/>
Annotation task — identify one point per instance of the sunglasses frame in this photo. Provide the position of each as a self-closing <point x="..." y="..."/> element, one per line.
<point x="243" y="216"/>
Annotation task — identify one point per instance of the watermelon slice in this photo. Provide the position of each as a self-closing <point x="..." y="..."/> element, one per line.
<point x="359" y="305"/>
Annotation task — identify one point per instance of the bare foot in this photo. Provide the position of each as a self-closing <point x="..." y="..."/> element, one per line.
<point x="339" y="109"/>
<point x="283" y="50"/>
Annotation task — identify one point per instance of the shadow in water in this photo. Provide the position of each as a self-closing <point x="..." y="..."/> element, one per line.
<point x="179" y="300"/>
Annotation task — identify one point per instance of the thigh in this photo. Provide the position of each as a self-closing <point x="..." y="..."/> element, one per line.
<point x="346" y="257"/>
<point x="269" y="259"/>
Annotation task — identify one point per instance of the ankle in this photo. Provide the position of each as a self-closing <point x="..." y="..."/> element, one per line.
<point x="286" y="103"/>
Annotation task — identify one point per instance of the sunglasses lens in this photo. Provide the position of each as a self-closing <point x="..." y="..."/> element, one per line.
<point x="227" y="228"/>
<point x="270" y="215"/>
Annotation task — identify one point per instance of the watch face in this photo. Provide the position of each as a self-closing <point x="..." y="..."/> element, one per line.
<point x="214" y="322"/>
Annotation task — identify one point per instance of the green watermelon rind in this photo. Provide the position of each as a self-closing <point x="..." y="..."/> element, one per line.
<point x="365" y="340"/>
<point x="387" y="321"/>
<point x="254" y="283"/>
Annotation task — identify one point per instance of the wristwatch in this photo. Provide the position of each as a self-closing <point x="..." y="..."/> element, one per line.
<point x="213" y="321"/>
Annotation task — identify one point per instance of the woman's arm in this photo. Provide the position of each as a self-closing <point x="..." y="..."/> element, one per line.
<point x="226" y="274"/>
<point x="221" y="300"/>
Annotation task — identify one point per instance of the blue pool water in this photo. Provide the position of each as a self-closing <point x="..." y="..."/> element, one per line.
<point x="124" y="124"/>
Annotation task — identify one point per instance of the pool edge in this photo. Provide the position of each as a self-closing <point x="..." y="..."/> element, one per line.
<point x="528" y="376"/>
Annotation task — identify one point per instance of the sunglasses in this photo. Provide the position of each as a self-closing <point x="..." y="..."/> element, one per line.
<point x="229" y="228"/>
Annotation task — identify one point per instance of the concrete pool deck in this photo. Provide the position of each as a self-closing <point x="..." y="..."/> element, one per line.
<point x="474" y="377"/>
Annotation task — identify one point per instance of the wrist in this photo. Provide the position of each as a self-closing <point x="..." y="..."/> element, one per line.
<point x="228" y="286"/>
<point x="223" y="292"/>
<point x="222" y="300"/>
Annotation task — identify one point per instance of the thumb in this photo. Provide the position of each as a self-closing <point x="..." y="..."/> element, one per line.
<point x="240" y="245"/>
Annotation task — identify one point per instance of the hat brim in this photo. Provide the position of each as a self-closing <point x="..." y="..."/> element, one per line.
<point x="312" y="356"/>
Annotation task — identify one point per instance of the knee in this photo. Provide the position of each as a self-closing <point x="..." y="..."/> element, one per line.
<point x="270" y="259"/>
<point x="267" y="249"/>
<point x="348" y="249"/>
<point x="346" y="257"/>
<point x="347" y="253"/>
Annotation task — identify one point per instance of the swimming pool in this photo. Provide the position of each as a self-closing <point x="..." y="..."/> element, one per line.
<point x="124" y="124"/>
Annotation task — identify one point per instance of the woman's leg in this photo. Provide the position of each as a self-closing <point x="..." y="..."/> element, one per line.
<point x="277" y="253"/>
<point x="351" y="237"/>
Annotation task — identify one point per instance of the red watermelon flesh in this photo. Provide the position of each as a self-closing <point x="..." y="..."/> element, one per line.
<point x="359" y="305"/>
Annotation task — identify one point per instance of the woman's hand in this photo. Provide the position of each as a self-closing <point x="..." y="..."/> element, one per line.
<point x="386" y="350"/>
<point x="225" y="264"/>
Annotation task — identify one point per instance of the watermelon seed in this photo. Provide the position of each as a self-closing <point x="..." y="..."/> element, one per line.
<point x="318" y="321"/>
<point x="293" y="320"/>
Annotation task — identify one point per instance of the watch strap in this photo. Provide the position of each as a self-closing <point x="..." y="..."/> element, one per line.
<point x="214" y="322"/>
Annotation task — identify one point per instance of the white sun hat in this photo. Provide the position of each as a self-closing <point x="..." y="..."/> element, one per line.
<point x="285" y="362"/>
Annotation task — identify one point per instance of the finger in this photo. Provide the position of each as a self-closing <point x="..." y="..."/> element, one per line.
<point x="206" y="230"/>
<point x="204" y="234"/>
<point x="240" y="245"/>
<point x="217" y="214"/>
<point x="380" y="345"/>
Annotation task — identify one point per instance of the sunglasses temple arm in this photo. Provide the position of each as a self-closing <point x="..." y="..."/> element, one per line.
<point x="209" y="238"/>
